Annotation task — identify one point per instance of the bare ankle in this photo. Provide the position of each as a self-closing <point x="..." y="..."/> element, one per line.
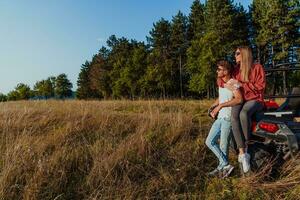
<point x="241" y="151"/>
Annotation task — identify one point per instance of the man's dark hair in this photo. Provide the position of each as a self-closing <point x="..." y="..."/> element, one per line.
<point x="227" y="65"/>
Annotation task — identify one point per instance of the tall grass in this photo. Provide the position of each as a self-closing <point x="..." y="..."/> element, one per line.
<point x="119" y="150"/>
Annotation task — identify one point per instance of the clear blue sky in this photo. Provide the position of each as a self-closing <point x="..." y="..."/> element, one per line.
<point x="44" y="38"/>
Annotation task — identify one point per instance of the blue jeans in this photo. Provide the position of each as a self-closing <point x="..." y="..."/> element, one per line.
<point x="220" y="129"/>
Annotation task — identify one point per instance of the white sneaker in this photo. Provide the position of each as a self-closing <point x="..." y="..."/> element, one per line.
<point x="245" y="160"/>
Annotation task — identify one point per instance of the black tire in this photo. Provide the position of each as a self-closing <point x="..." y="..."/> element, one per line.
<point x="261" y="155"/>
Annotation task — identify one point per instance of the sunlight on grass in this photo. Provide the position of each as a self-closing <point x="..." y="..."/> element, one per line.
<point x="119" y="150"/>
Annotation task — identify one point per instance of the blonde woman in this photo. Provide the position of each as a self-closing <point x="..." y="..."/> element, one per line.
<point x="251" y="78"/>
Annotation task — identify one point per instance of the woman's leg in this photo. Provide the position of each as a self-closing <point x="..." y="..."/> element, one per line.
<point x="249" y="108"/>
<point x="236" y="127"/>
<point x="211" y="142"/>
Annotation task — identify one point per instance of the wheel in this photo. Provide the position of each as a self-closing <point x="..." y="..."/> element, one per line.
<point x="261" y="155"/>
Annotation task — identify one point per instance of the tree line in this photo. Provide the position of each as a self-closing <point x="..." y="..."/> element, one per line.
<point x="58" y="87"/>
<point x="178" y="59"/>
<point x="179" y="56"/>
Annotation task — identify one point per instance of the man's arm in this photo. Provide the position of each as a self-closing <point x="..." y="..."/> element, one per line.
<point x="212" y="107"/>
<point x="215" y="103"/>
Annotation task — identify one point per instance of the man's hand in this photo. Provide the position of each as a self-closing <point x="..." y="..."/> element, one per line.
<point x="215" y="111"/>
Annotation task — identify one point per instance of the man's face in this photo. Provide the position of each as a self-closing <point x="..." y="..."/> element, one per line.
<point x="221" y="72"/>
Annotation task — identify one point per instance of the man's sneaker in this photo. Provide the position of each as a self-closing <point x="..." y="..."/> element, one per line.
<point x="244" y="159"/>
<point x="226" y="171"/>
<point x="215" y="172"/>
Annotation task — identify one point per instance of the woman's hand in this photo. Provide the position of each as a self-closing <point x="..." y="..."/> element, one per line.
<point x="232" y="84"/>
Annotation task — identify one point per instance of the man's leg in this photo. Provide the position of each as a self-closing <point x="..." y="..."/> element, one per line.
<point x="211" y="142"/>
<point x="225" y="138"/>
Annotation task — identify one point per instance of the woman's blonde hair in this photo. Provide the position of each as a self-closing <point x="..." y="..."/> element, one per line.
<point x="246" y="62"/>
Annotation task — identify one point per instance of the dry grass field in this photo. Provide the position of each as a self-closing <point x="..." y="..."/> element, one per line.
<point x="120" y="150"/>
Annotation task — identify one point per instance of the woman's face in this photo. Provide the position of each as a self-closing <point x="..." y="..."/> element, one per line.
<point x="238" y="56"/>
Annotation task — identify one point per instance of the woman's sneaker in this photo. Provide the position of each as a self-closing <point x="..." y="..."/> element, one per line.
<point x="226" y="171"/>
<point x="244" y="159"/>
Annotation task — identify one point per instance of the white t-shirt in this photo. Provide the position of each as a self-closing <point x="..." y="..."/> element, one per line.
<point x="225" y="95"/>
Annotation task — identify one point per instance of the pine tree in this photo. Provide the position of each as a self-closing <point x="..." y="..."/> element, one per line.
<point x="118" y="59"/>
<point x="95" y="73"/>
<point x="202" y="56"/>
<point x="157" y="80"/>
<point x="219" y="20"/>
<point x="135" y="68"/>
<point x="93" y="80"/>
<point x="3" y="97"/>
<point x="179" y="45"/>
<point x="104" y="78"/>
<point x="24" y="91"/>
<point x="21" y="92"/>
<point x="196" y="26"/>
<point x="13" y="95"/>
<point x="241" y="27"/>
<point x="63" y="87"/>
<point x="83" y="89"/>
<point x="277" y="29"/>
<point x="218" y="41"/>
<point x="44" y="88"/>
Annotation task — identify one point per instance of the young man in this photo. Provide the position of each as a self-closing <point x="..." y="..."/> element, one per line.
<point x="229" y="95"/>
